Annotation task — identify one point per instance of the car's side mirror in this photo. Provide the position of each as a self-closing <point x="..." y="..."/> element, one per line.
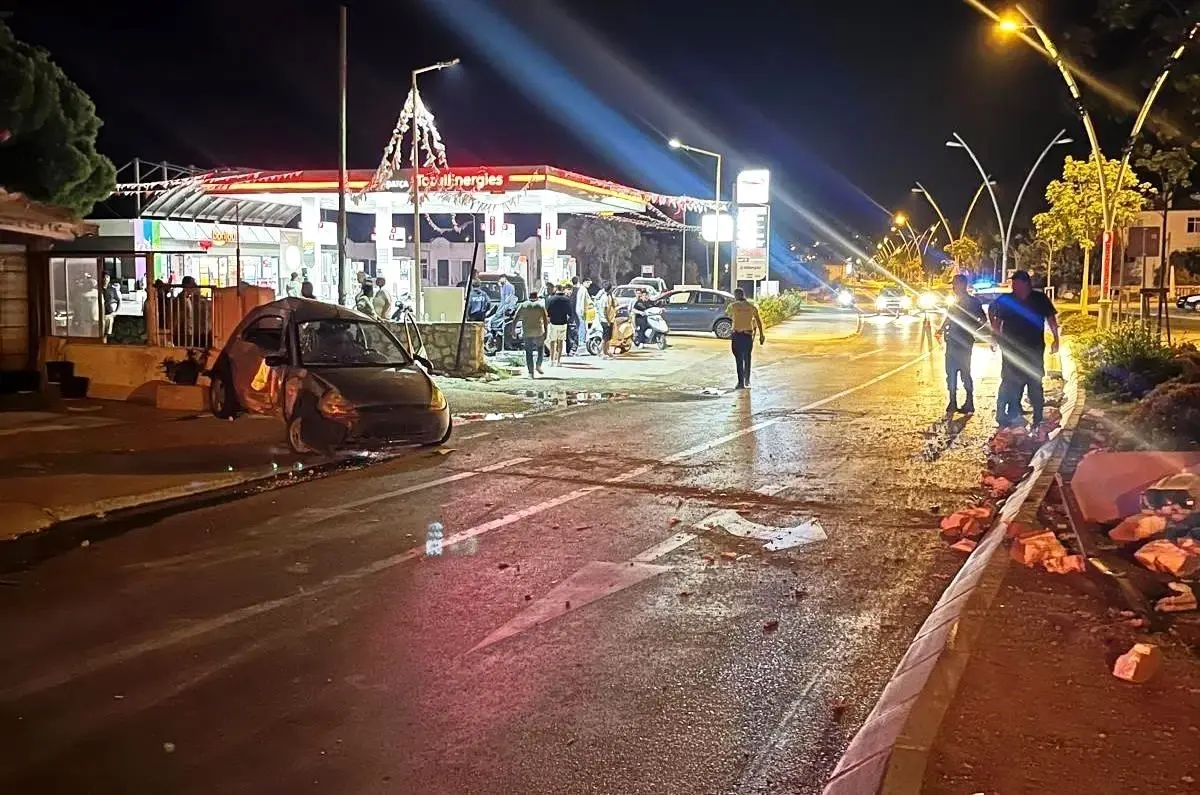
<point x="428" y="365"/>
<point x="276" y="360"/>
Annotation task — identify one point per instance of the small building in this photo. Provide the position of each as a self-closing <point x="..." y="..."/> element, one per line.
<point x="28" y="289"/>
<point x="1143" y="249"/>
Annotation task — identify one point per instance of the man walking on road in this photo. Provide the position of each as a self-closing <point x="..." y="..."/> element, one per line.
<point x="531" y="315"/>
<point x="746" y="321"/>
<point x="558" y="309"/>
<point x="963" y="325"/>
<point x="1018" y="323"/>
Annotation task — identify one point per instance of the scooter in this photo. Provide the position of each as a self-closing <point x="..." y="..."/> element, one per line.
<point x="622" y="332"/>
<point x="656" y="328"/>
<point x="500" y="332"/>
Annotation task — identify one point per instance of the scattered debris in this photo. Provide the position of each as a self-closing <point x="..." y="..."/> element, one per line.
<point x="502" y="566"/>
<point x="1138" y="664"/>
<point x="997" y="486"/>
<point x="85" y="543"/>
<point x="1138" y="527"/>
<point x="729" y="555"/>
<point x="964" y="545"/>
<point x="568" y="605"/>
<point x="528" y="597"/>
<point x="838" y="706"/>
<point x="1065" y="565"/>
<point x="1183" y="599"/>
<point x="685" y="594"/>
<point x="1168" y="557"/>
<point x="674" y="520"/>
<point x="1029" y="550"/>
<point x="771" y="625"/>
<point x="444" y="450"/>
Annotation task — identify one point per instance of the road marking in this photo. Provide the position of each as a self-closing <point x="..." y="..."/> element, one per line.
<point x="856" y="357"/>
<point x="777" y="538"/>
<point x="750" y="780"/>
<point x="665" y="548"/>
<point x="205" y="626"/>
<point x="473" y="436"/>
<point x="429" y="484"/>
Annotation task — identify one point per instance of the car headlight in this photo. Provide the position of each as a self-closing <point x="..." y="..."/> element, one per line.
<point x="881" y="303"/>
<point x="927" y="301"/>
<point x="437" y="400"/>
<point x="906" y="302"/>
<point x="845" y="298"/>
<point x="335" y="406"/>
<point x="951" y="300"/>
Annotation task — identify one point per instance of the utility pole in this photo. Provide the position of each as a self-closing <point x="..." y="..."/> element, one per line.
<point x="341" y="222"/>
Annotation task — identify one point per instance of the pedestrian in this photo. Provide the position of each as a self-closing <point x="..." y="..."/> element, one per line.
<point x="307" y="290"/>
<point x="533" y="320"/>
<point x="382" y="300"/>
<point x="746" y="321"/>
<point x="363" y="282"/>
<point x="962" y="327"/>
<point x="508" y="293"/>
<point x="111" y="295"/>
<point x="606" y="311"/>
<point x="293" y="286"/>
<point x="583" y="306"/>
<point x="558" y="310"/>
<point x="1019" y="321"/>
<point x="365" y="302"/>
<point x="641" y="321"/>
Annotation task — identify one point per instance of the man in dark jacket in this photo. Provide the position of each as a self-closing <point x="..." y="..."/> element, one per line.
<point x="964" y="325"/>
<point x="559" y="309"/>
<point x="111" y="294"/>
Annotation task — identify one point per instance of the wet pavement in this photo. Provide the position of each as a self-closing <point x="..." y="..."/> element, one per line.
<point x="555" y="605"/>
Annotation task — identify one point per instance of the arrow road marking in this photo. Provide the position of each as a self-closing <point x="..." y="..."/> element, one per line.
<point x="777" y="538"/>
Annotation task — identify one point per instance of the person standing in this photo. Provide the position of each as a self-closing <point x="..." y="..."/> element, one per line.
<point x="382" y="300"/>
<point x="532" y="318"/>
<point x="606" y="312"/>
<point x="307" y="290"/>
<point x="111" y="295"/>
<point x="508" y="293"/>
<point x="963" y="326"/>
<point x="292" y="288"/>
<point x="641" y="320"/>
<point x="583" y="303"/>
<point x="746" y="321"/>
<point x="1019" y="321"/>
<point x="558" y="310"/>
<point x="365" y="302"/>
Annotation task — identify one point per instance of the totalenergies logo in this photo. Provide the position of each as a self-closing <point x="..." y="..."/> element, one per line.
<point x="451" y="181"/>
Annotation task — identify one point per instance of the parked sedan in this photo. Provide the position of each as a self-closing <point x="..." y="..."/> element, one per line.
<point x="1189" y="303"/>
<point x="697" y="310"/>
<point x="332" y="374"/>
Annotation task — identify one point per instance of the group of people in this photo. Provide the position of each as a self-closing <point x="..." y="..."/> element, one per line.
<point x="1017" y="322"/>
<point x="546" y="322"/>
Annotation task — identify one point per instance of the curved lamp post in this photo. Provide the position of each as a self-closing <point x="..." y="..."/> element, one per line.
<point x="414" y="279"/>
<point x="675" y="143"/>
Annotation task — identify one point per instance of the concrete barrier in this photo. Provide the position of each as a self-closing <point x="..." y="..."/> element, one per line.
<point x="116" y="372"/>
<point x="441" y="341"/>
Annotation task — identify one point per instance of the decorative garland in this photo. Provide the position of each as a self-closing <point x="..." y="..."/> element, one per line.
<point x="416" y="115"/>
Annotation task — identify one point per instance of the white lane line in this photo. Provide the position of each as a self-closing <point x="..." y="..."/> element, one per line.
<point x="750" y="780"/>
<point x="665" y="548"/>
<point x="205" y="626"/>
<point x="429" y="484"/>
<point x="473" y="436"/>
<point x="856" y="357"/>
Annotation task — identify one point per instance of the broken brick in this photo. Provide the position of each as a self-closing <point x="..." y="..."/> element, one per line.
<point x="1138" y="527"/>
<point x="1138" y="664"/>
<point x="1169" y="558"/>
<point x="1029" y="550"/>
<point x="1064" y="565"/>
<point x="964" y="545"/>
<point x="771" y="625"/>
<point x="1018" y="529"/>
<point x="1183" y="599"/>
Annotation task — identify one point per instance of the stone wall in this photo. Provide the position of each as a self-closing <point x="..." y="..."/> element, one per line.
<point x="440" y="340"/>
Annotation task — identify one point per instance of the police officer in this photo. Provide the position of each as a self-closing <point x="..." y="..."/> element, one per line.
<point x="964" y="325"/>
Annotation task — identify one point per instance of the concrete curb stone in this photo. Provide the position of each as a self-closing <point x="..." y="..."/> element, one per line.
<point x="890" y="751"/>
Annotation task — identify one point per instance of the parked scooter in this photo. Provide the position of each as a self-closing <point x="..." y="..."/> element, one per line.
<point x="500" y="332"/>
<point x="623" y="332"/>
<point x="656" y="329"/>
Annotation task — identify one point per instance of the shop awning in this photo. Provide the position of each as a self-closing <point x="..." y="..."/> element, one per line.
<point x="26" y="217"/>
<point x="193" y="202"/>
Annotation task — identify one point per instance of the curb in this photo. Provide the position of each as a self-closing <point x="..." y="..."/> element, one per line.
<point x="116" y="517"/>
<point x="890" y="751"/>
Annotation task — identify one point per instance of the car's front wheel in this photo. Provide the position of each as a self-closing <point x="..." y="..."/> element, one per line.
<point x="295" y="436"/>
<point x="723" y="328"/>
<point x="221" y="401"/>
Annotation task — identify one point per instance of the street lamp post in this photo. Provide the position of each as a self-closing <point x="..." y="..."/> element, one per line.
<point x="1108" y="193"/>
<point x="414" y="276"/>
<point x="675" y="143"/>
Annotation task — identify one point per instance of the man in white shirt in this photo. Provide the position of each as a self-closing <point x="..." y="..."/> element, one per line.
<point x="382" y="300"/>
<point x="292" y="288"/>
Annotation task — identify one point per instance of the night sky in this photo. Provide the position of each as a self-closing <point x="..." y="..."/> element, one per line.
<point x="847" y="102"/>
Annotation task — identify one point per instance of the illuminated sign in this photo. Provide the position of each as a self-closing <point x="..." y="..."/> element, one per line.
<point x="716" y="228"/>
<point x="753" y="186"/>
<point x="753" y="225"/>
<point x="223" y="237"/>
<point x="471" y="181"/>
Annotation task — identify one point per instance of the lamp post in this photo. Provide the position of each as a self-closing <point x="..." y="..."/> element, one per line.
<point x="675" y="143"/>
<point x="1018" y="23"/>
<point x="970" y="207"/>
<point x="341" y="253"/>
<point x="414" y="277"/>
<point x="1005" y="230"/>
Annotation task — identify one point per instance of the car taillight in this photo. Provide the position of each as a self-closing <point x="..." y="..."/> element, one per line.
<point x="333" y="405"/>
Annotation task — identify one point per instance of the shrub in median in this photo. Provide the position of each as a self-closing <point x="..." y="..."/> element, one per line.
<point x="1126" y="361"/>
<point x="775" y="309"/>
<point x="1076" y="323"/>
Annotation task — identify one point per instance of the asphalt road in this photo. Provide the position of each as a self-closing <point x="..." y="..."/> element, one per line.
<point x="533" y="612"/>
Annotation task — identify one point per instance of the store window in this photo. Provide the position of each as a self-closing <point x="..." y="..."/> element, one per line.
<point x="75" y="306"/>
<point x="1193" y="225"/>
<point x="443" y="272"/>
<point x="465" y="269"/>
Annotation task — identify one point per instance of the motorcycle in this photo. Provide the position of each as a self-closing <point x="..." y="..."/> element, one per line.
<point x="500" y="332"/>
<point x="656" y="329"/>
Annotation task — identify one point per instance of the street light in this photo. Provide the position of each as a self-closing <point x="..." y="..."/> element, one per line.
<point x="414" y="273"/>
<point x="675" y="143"/>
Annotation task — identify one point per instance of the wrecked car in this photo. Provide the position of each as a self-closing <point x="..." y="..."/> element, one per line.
<point x="334" y="376"/>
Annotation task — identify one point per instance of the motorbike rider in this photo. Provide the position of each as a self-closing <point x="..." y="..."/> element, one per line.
<point x="641" y="303"/>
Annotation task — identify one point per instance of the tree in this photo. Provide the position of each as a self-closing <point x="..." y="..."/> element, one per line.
<point x="1076" y="210"/>
<point x="1188" y="260"/>
<point x="48" y="147"/>
<point x="603" y="247"/>
<point x="965" y="252"/>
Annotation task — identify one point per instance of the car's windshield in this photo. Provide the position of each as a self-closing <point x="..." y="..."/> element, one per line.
<point x="347" y="343"/>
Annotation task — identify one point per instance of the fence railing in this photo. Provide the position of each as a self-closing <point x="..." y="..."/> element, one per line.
<point x="179" y="316"/>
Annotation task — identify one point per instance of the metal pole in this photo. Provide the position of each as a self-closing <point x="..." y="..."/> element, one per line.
<point x="1013" y="217"/>
<point x="717" y="242"/>
<point x="137" y="178"/>
<point x="683" y="251"/>
<point x="415" y="190"/>
<point x="971" y="207"/>
<point x="938" y="210"/>
<point x="237" y="230"/>
<point x="342" y="23"/>
<point x="995" y="204"/>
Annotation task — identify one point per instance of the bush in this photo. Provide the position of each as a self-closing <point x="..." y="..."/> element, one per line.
<point x="1125" y="361"/>
<point x="1076" y="323"/>
<point x="1172" y="411"/>
<point x="775" y="309"/>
